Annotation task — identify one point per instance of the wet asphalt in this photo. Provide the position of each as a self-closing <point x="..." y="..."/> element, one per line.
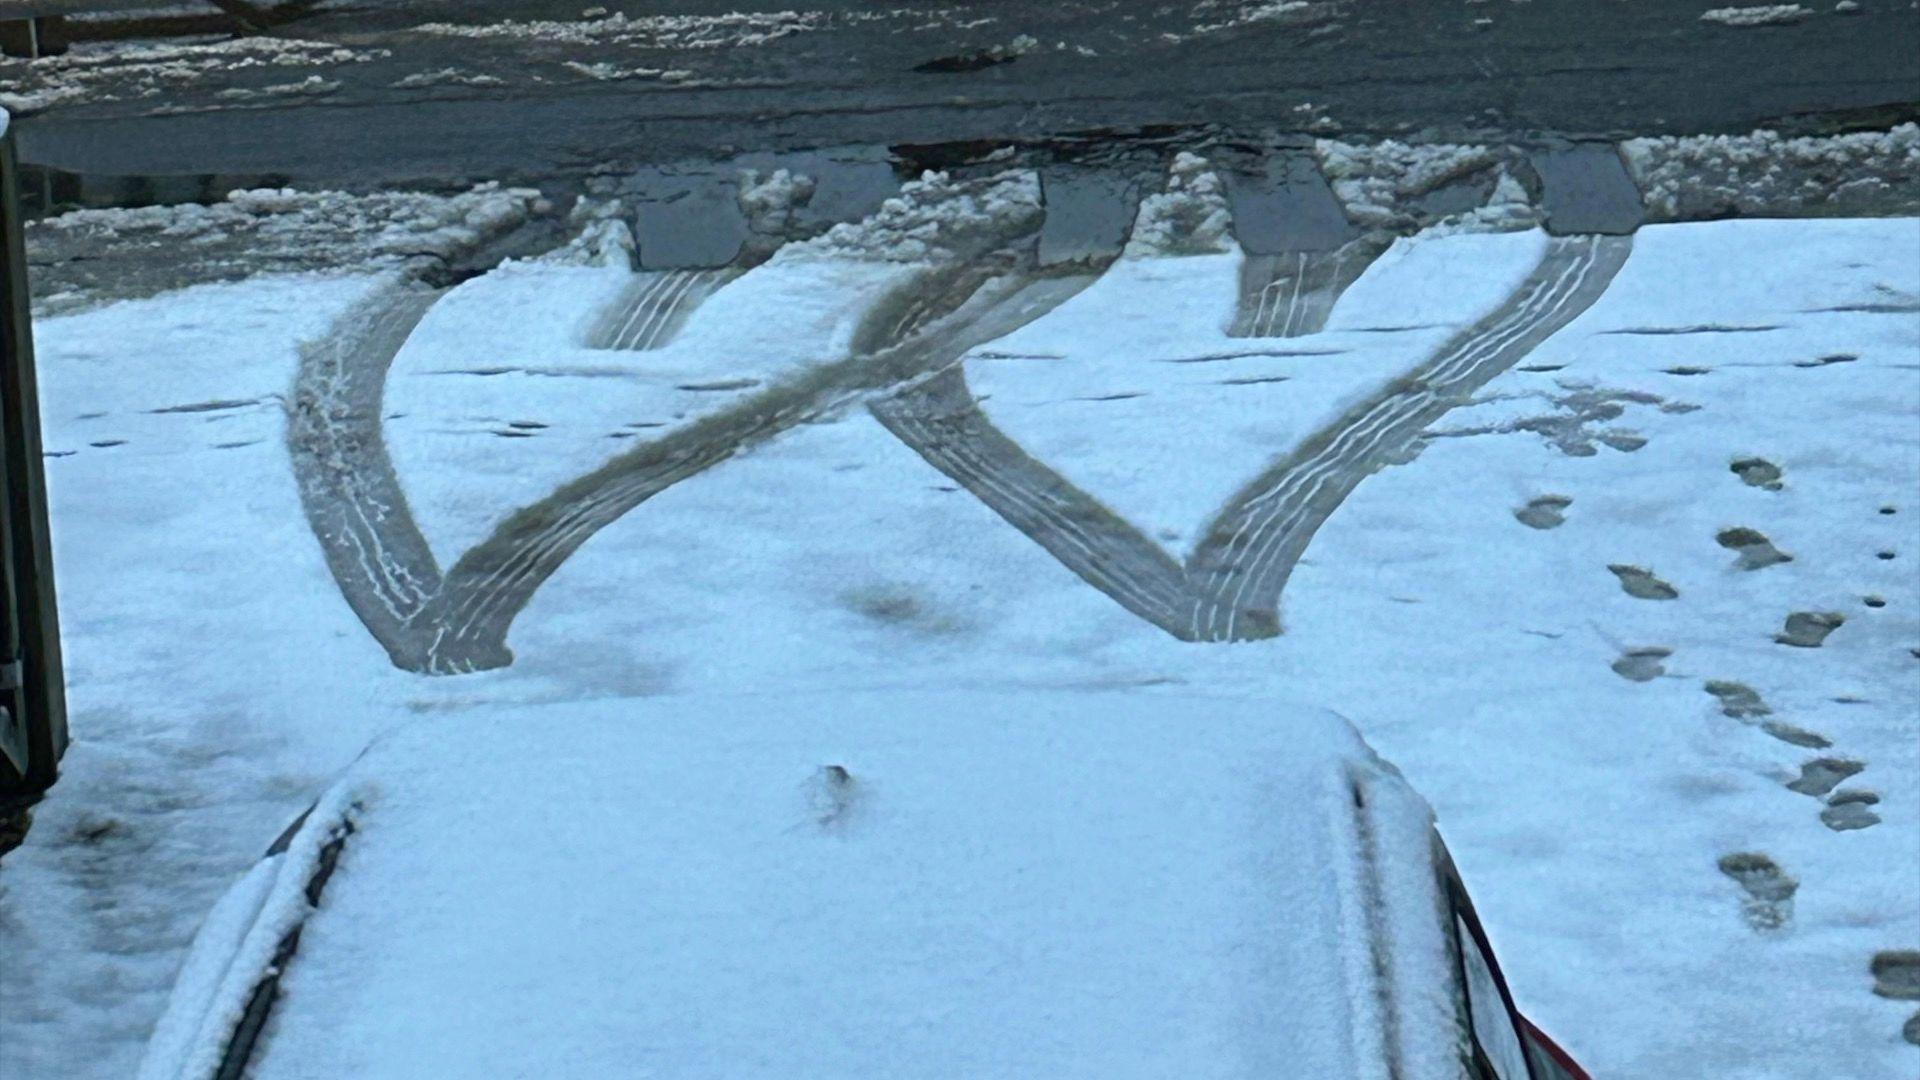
<point x="1547" y="73"/>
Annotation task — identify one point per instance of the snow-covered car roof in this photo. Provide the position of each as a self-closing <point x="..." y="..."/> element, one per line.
<point x="1048" y="884"/>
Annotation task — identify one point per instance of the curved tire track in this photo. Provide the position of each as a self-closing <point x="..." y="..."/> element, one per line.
<point x="653" y="308"/>
<point x="458" y="621"/>
<point x="348" y="488"/>
<point x="1229" y="589"/>
<point x="1292" y="294"/>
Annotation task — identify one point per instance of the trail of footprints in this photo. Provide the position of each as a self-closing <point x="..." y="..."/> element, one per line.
<point x="1845" y="808"/>
<point x="1768" y="889"/>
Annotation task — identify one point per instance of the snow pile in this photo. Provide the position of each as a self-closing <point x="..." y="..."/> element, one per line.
<point x="149" y="249"/>
<point x="1765" y="173"/>
<point x="1190" y="217"/>
<point x="1216" y="16"/>
<point x="606" y="71"/>
<point x="1510" y="208"/>
<point x="602" y="236"/>
<point x="108" y="72"/>
<point x="1760" y="15"/>
<point x="772" y="203"/>
<point x="734" y="29"/>
<point x="311" y="85"/>
<point x="1407" y="186"/>
<point x="447" y="76"/>
<point x="936" y="219"/>
<point x="1239" y="13"/>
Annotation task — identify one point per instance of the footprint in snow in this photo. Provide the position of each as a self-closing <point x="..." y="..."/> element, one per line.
<point x="1544" y="512"/>
<point x="1737" y="699"/>
<point x="1640" y="583"/>
<point x="1642" y="664"/>
<point x="831" y="794"/>
<point x="1809" y="629"/>
<point x="1755" y="551"/>
<point x="1822" y="775"/>
<point x="1769" y="902"/>
<point x="1849" y="809"/>
<point x="1757" y="472"/>
<point x="1896" y="975"/>
<point x="1795" y="736"/>
<point x="1742" y="702"/>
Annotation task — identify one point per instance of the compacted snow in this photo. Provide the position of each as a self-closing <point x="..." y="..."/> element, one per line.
<point x="1688" y="828"/>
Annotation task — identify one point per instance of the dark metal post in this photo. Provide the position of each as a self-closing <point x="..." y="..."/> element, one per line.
<point x="33" y="713"/>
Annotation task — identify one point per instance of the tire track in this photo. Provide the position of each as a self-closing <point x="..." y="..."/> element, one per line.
<point x="1229" y="588"/>
<point x="348" y="488"/>
<point x="457" y="622"/>
<point x="1291" y="295"/>
<point x="1242" y="564"/>
<point x="654" y="307"/>
<point x="941" y="421"/>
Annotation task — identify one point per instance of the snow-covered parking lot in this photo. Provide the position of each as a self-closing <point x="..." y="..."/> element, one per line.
<point x="1633" y="605"/>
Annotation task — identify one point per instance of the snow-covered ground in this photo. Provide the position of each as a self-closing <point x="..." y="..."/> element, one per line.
<point x="1489" y="613"/>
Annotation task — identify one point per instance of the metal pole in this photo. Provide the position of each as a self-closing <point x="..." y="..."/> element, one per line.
<point x="33" y="715"/>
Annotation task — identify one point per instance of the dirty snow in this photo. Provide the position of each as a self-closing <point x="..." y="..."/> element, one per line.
<point x="1384" y="185"/>
<point x="734" y="29"/>
<point x="936" y="218"/>
<point x="106" y="71"/>
<point x="1222" y="16"/>
<point x="1758" y="15"/>
<point x="1699" y="176"/>
<point x="1190" y="217"/>
<point x="160" y="247"/>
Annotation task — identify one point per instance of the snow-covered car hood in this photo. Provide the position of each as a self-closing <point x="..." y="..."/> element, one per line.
<point x="858" y="885"/>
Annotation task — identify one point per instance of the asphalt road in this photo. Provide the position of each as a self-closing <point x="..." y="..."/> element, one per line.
<point x="567" y="102"/>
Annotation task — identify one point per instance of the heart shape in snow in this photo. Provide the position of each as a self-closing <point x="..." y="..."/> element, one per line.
<point x="1229" y="588"/>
